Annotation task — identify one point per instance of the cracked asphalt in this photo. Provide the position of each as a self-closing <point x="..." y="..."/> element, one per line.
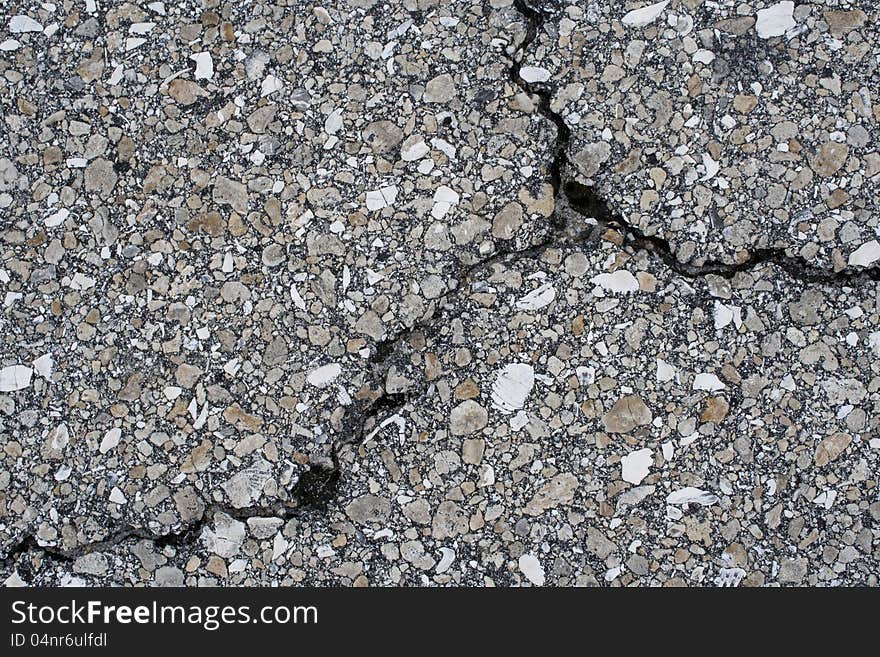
<point x="440" y="293"/>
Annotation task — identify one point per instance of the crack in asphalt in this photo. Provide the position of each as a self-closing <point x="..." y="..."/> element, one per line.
<point x="587" y="202"/>
<point x="361" y="415"/>
<point x="562" y="229"/>
<point x="312" y="491"/>
<point x="579" y="214"/>
<point x="572" y="198"/>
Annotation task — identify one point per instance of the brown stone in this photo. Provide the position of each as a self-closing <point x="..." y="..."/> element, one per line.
<point x="829" y="157"/>
<point x="467" y="390"/>
<point x="208" y="222"/>
<point x="627" y="413"/>
<point x="831" y="447"/>
<point x="185" y="92"/>
<point x="841" y="22"/>
<point x="715" y="411"/>
<point x="240" y="419"/>
<point x="837" y="198"/>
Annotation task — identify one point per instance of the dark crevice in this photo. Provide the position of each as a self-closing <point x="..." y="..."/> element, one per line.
<point x="587" y="202"/>
<point x="535" y="18"/>
<point x="560" y="229"/>
<point x="318" y="486"/>
<point x="313" y="491"/>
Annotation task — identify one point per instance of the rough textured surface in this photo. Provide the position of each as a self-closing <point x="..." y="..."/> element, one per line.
<point x="722" y="140"/>
<point x="422" y="293"/>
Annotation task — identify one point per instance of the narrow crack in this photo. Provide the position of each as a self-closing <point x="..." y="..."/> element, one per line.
<point x="314" y="489"/>
<point x="560" y="229"/>
<point x="573" y="199"/>
<point x="587" y="202"/>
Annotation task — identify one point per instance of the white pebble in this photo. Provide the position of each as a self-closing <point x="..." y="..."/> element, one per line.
<point x="20" y="23"/>
<point x="15" y="377"/>
<point x="775" y="20"/>
<point x="644" y="15"/>
<point x="531" y="568"/>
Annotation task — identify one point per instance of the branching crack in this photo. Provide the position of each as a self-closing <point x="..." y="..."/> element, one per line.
<point x="559" y="230"/>
<point x="573" y="201"/>
<point x="578" y="211"/>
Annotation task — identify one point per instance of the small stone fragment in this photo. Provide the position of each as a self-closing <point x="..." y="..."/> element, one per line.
<point x="644" y="15"/>
<point x="558" y="491"/>
<point x="530" y="566"/>
<point x="440" y="89"/>
<point x="627" y="413"/>
<point x="15" y="377"/>
<point x="636" y="465"/>
<point x="830" y="448"/>
<point x="775" y="20"/>
<point x="467" y="418"/>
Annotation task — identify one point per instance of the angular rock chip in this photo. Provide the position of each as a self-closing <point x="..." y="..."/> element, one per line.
<point x="559" y="490"/>
<point x="830" y="448"/>
<point x="627" y="413"/>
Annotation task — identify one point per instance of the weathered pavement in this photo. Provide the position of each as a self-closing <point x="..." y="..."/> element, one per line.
<point x="440" y="293"/>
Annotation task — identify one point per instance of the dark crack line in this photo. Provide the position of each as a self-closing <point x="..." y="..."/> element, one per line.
<point x="587" y="202"/>
<point x="559" y="230"/>
<point x="535" y="19"/>
<point x="313" y="490"/>
<point x="572" y="197"/>
<point x="316" y="490"/>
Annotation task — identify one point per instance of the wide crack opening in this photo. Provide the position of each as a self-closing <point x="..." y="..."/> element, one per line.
<point x="588" y="202"/>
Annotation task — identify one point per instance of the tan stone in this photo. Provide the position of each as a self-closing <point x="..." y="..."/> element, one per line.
<point x="715" y="411"/>
<point x="472" y="450"/>
<point x="831" y="447"/>
<point x="841" y="22"/>
<point x="230" y="192"/>
<point x="185" y="92"/>
<point x="198" y="459"/>
<point x="627" y="413"/>
<point x="187" y="375"/>
<point x="440" y="89"/>
<point x="507" y="221"/>
<point x="829" y="157"/>
<point x="240" y="419"/>
<point x="433" y="368"/>
<point x="100" y="177"/>
<point x="557" y="491"/>
<point x="745" y="103"/>
<point x="217" y="566"/>
<point x="467" y="418"/>
<point x="737" y="26"/>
